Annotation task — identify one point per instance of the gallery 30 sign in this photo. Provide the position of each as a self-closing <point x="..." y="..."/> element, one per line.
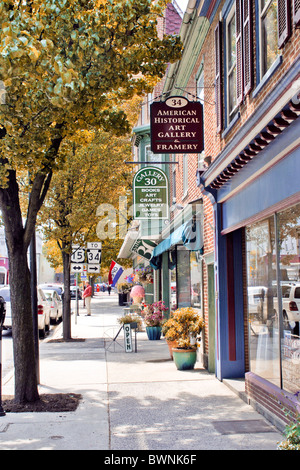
<point x="177" y="126"/>
<point x="150" y="194"/>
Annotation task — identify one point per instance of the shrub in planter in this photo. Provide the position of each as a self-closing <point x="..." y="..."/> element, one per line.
<point x="184" y="327"/>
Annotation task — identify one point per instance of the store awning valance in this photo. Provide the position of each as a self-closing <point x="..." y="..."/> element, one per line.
<point x="188" y="234"/>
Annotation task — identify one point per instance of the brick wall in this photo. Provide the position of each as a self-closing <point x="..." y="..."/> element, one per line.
<point x="279" y="406"/>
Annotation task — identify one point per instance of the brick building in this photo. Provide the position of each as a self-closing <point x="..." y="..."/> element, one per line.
<point x="241" y="61"/>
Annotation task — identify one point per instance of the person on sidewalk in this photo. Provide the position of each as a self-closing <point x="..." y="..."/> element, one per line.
<point x="109" y="289"/>
<point x="87" y="295"/>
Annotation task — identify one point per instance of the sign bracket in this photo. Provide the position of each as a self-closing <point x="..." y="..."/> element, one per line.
<point x="151" y="163"/>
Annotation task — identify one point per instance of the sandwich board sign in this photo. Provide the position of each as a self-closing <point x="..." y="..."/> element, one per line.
<point x="127" y="338"/>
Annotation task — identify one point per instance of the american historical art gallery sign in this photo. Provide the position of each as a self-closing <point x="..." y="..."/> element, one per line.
<point x="177" y="126"/>
<point x="150" y="194"/>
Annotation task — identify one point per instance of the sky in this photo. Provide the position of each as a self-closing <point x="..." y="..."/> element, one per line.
<point x="182" y="4"/>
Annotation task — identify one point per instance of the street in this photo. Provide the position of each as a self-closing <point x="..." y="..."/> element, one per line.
<point x="7" y="347"/>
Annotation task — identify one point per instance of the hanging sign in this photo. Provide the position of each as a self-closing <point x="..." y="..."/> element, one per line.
<point x="144" y="248"/>
<point x="150" y="194"/>
<point x="176" y="126"/>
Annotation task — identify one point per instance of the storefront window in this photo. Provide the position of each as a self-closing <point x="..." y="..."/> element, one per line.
<point x="262" y="301"/>
<point x="274" y="322"/>
<point x="289" y="241"/>
<point x="195" y="280"/>
<point x="173" y="301"/>
<point x="183" y="278"/>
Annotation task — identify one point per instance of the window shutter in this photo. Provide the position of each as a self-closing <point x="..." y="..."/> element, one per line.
<point x="248" y="45"/>
<point x="296" y="12"/>
<point x="284" y="21"/>
<point x="239" y="52"/>
<point x="218" y="77"/>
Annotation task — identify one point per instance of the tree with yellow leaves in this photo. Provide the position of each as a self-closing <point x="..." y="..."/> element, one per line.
<point x="65" y="65"/>
<point x="94" y="176"/>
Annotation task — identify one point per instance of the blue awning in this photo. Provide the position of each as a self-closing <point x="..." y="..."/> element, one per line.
<point x="189" y="234"/>
<point x="174" y="239"/>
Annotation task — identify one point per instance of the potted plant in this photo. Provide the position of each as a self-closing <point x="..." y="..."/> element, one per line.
<point x="153" y="315"/>
<point x="133" y="319"/>
<point x="123" y="291"/>
<point x="170" y="334"/>
<point x="144" y="275"/>
<point x="184" y="327"/>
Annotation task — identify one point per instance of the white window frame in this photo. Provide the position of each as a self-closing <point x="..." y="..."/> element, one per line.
<point x="262" y="51"/>
<point x="230" y="115"/>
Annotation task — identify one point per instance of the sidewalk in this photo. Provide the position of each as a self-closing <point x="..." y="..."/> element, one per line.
<point x="131" y="401"/>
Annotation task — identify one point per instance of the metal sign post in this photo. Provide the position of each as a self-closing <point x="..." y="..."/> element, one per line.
<point x="76" y="308"/>
<point x="2" y="318"/>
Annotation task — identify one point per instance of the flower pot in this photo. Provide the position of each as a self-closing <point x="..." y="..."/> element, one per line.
<point x="171" y="345"/>
<point x="185" y="359"/>
<point x="153" y="332"/>
<point x="123" y="298"/>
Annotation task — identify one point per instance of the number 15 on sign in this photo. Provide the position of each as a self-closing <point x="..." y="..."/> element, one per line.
<point x="77" y="255"/>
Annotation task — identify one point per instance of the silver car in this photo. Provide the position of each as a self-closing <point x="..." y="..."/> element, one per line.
<point x="43" y="311"/>
<point x="55" y="303"/>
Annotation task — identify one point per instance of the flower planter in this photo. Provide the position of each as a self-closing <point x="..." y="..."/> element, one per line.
<point x="123" y="298"/>
<point x="153" y="332"/>
<point x="185" y="359"/>
<point x="171" y="345"/>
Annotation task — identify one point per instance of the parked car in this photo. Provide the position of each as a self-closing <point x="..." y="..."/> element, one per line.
<point x="43" y="314"/>
<point x="73" y="292"/>
<point x="55" y="302"/>
<point x="258" y="302"/>
<point x="5" y="293"/>
<point x="56" y="287"/>
<point x="291" y="302"/>
<point x="43" y="311"/>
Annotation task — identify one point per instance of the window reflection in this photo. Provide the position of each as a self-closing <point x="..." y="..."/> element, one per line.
<point x="262" y="301"/>
<point x="195" y="279"/>
<point x="289" y="230"/>
<point x="274" y="323"/>
<point x="269" y="47"/>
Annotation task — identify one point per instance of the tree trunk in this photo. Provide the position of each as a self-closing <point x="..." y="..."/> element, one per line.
<point x="17" y="241"/>
<point x="23" y="339"/>
<point x="67" y="296"/>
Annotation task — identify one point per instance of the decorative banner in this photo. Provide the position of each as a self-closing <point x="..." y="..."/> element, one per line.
<point x="144" y="248"/>
<point x="114" y="273"/>
<point x="151" y="194"/>
<point x="176" y="126"/>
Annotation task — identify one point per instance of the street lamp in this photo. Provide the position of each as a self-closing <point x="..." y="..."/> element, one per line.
<point x="2" y="318"/>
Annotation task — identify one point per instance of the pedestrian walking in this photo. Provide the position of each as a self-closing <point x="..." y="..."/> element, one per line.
<point x="87" y="295"/>
<point x="109" y="289"/>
